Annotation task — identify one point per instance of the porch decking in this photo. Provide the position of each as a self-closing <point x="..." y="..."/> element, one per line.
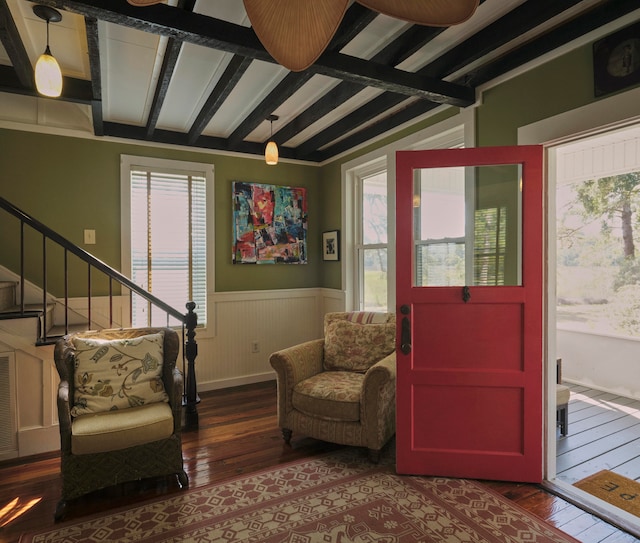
<point x="604" y="433"/>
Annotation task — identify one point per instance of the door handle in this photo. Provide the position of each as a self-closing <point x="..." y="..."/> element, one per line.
<point x="405" y="332"/>
<point x="466" y="294"/>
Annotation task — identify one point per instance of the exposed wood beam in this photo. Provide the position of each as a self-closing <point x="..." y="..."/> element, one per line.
<point x="210" y="32"/>
<point x="180" y="138"/>
<point x="514" y="23"/>
<point x="561" y="35"/>
<point x="73" y="90"/>
<point x="397" y="51"/>
<point x="356" y="118"/>
<point x="166" y="73"/>
<point x="375" y="75"/>
<point x="93" y="45"/>
<point x="519" y="20"/>
<point x="10" y="38"/>
<point x="232" y="74"/>
<point x="169" y="62"/>
<point x="354" y="21"/>
<point x="600" y="15"/>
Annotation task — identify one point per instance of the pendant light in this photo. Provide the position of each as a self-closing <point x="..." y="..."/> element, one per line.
<point x="271" y="150"/>
<point x="47" y="72"/>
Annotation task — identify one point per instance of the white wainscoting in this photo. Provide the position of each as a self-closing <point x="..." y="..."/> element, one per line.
<point x="272" y="319"/>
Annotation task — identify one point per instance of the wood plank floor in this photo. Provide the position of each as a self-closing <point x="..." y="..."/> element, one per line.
<point x="237" y="434"/>
<point x="604" y="433"/>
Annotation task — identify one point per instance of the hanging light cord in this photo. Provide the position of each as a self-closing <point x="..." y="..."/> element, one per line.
<point x="47" y="51"/>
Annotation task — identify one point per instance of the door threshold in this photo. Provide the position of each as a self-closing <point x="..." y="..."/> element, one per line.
<point x="616" y="517"/>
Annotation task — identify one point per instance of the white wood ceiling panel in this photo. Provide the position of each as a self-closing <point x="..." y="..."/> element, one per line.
<point x="130" y="61"/>
<point x="306" y="96"/>
<point x="196" y="74"/>
<point x="340" y="111"/>
<point x="256" y="83"/>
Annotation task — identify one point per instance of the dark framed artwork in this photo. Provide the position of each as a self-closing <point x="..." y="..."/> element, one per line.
<point x="616" y="61"/>
<point x="331" y="245"/>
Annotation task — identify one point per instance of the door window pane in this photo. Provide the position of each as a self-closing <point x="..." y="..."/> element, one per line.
<point x="466" y="226"/>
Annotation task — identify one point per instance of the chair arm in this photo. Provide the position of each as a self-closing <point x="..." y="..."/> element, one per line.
<point x="293" y="365"/>
<point x="377" y="409"/>
<point x="64" y="416"/>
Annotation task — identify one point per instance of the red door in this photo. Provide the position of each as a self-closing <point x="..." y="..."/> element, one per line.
<point x="469" y="305"/>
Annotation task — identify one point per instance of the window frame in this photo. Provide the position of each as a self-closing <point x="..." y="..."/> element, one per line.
<point x="456" y="131"/>
<point x="130" y="162"/>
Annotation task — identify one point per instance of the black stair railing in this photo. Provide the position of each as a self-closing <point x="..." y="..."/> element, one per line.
<point x="188" y="320"/>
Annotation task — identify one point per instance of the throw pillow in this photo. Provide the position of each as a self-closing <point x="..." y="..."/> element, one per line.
<point x="117" y="374"/>
<point x="357" y="347"/>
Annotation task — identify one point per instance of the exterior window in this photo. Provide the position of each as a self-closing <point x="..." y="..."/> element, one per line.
<point x="168" y="246"/>
<point x="490" y="244"/>
<point x="372" y="242"/>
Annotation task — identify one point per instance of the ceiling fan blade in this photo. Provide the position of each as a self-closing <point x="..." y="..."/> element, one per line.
<point x="425" y="12"/>
<point x="144" y="2"/>
<point x="295" y="32"/>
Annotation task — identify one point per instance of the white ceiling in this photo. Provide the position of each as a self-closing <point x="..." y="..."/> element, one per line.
<point x="131" y="62"/>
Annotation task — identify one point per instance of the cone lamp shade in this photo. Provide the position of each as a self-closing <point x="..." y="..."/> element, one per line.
<point x="271" y="153"/>
<point x="48" y="75"/>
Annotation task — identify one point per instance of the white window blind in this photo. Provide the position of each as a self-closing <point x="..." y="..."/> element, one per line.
<point x="168" y="242"/>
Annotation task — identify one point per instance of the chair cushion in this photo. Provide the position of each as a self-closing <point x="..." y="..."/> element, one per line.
<point x="562" y="394"/>
<point x="330" y="395"/>
<point x="117" y="374"/>
<point x="356" y="347"/>
<point x="114" y="430"/>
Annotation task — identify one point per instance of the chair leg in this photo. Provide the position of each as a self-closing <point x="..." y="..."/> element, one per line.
<point x="61" y="511"/>
<point x="286" y="435"/>
<point x="183" y="479"/>
<point x="563" y="419"/>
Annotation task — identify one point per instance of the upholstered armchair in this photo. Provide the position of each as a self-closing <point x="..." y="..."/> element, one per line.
<point x="119" y="409"/>
<point x="341" y="388"/>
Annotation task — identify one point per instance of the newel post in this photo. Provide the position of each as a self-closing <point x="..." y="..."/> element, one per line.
<point x="191" y="352"/>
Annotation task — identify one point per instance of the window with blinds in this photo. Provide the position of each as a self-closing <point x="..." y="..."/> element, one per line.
<point x="168" y="241"/>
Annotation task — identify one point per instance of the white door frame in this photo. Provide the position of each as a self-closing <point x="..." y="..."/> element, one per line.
<point x="604" y="115"/>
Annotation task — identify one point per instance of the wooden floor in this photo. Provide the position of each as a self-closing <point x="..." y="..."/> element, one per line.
<point x="604" y="433"/>
<point x="237" y="434"/>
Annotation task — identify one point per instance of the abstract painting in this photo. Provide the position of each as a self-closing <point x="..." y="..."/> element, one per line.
<point x="269" y="224"/>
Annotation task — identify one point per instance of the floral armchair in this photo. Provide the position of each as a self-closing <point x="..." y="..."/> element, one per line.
<point x="119" y="409"/>
<point x="341" y="388"/>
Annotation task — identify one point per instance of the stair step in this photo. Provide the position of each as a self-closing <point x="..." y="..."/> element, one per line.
<point x="30" y="310"/>
<point x="7" y="294"/>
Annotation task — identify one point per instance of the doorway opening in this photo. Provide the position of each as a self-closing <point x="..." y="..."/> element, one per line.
<point x="594" y="316"/>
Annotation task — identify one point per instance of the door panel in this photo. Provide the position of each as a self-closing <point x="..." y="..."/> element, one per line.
<point x="469" y="289"/>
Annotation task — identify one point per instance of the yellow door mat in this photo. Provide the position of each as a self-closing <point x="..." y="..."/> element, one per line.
<point x="615" y="489"/>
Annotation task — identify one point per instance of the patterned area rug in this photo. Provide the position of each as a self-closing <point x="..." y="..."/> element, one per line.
<point x="338" y="498"/>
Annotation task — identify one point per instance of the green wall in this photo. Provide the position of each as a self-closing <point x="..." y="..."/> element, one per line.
<point x="70" y="184"/>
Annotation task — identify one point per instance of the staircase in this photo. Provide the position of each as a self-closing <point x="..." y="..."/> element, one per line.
<point x="28" y="311"/>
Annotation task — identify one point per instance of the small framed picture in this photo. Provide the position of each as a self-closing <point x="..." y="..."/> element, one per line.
<point x="616" y="61"/>
<point x="331" y="245"/>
